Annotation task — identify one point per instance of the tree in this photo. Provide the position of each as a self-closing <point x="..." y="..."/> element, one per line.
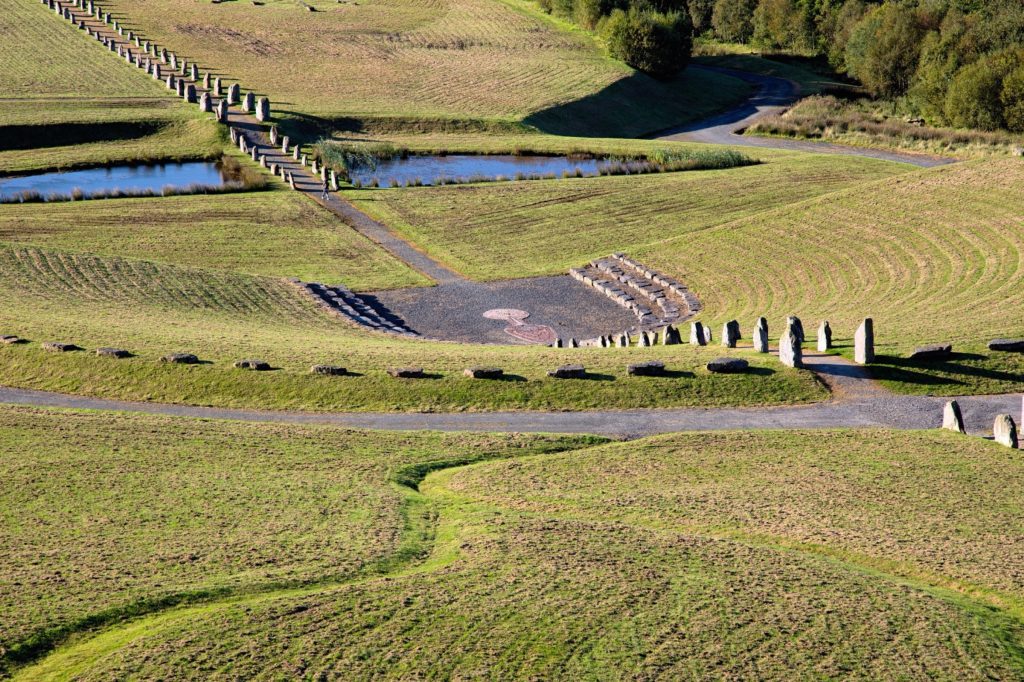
<point x="976" y="96"/>
<point x="733" y="20"/>
<point x="700" y="14"/>
<point x="883" y="50"/>
<point x="655" y="43"/>
<point x="778" y="24"/>
<point x="1012" y="98"/>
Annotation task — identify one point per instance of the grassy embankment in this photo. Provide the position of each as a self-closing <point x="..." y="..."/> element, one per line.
<point x="72" y="103"/>
<point x="931" y="255"/>
<point x="865" y="554"/>
<point x="409" y="64"/>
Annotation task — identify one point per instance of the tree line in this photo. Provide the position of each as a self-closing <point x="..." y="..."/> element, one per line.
<point x="954" y="62"/>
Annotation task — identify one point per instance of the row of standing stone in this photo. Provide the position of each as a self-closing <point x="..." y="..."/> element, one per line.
<point x="1004" y="430"/>
<point x="154" y="59"/>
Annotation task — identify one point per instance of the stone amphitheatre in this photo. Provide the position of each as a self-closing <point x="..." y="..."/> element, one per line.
<point x="621" y="387"/>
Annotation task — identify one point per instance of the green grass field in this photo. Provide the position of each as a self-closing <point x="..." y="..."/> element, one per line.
<point x="276" y="233"/>
<point x="425" y="63"/>
<point x="153" y="309"/>
<point x="73" y="103"/>
<point x="106" y="516"/>
<point x="776" y="556"/>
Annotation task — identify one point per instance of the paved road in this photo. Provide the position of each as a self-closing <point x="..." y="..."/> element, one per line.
<point x="857" y="403"/>
<point x="773" y="96"/>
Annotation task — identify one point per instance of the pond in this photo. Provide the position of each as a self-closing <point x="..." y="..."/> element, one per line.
<point x="434" y="170"/>
<point x="118" y="180"/>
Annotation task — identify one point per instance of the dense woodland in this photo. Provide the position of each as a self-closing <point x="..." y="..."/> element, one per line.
<point x="954" y="62"/>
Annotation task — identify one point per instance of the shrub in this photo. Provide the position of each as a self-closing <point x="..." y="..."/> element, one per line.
<point x="657" y="44"/>
<point x="883" y="50"/>
<point x="1012" y="98"/>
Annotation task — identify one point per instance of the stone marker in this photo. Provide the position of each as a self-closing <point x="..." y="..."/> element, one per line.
<point x="113" y="353"/>
<point x="483" y="372"/>
<point x="334" y="180"/>
<point x="174" y="61"/>
<point x="273" y="135"/>
<point x="222" y="111"/>
<point x="55" y="347"/>
<point x="206" y="81"/>
<point x="1005" y="431"/>
<point x="568" y="372"/>
<point x="728" y="365"/>
<point x="218" y="89"/>
<point x="295" y="152"/>
<point x="651" y="368"/>
<point x="558" y="343"/>
<point x="193" y="71"/>
<point x="249" y="102"/>
<point x="205" y="103"/>
<point x="234" y="94"/>
<point x="179" y="86"/>
<point x="730" y="333"/>
<point x="11" y="339"/>
<point x="573" y="343"/>
<point x="707" y="335"/>
<point x="644" y="341"/>
<point x="163" y="55"/>
<point x="406" y="372"/>
<point x="791" y="352"/>
<point x="622" y="341"/>
<point x="328" y="370"/>
<point x="263" y="109"/>
<point x="254" y="365"/>
<point x="670" y="336"/>
<point x="157" y="73"/>
<point x="761" y="335"/>
<point x="180" y="359"/>
<point x="190" y="93"/>
<point x="864" y="342"/>
<point x="798" y="327"/>
<point x="824" y="336"/>
<point x="952" y="419"/>
<point x="697" y="337"/>
<point x="315" y="168"/>
<point x="1007" y="345"/>
<point x="934" y="351"/>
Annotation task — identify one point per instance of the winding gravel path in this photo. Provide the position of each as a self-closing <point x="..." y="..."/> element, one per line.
<point x="857" y="402"/>
<point x="773" y="96"/>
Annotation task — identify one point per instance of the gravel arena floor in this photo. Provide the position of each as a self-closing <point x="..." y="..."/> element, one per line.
<point x="455" y="310"/>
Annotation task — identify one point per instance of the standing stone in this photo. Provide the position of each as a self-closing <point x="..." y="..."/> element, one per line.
<point x="255" y="153"/>
<point x="222" y="111"/>
<point x="790" y="352"/>
<point x="824" y="336"/>
<point x="305" y="160"/>
<point x="218" y="89"/>
<point x="794" y="322"/>
<point x="864" y="342"/>
<point x="190" y="93"/>
<point x="761" y="335"/>
<point x="179" y="87"/>
<point x="1005" y="431"/>
<point x="707" y="334"/>
<point x="157" y="74"/>
<point x="295" y="152"/>
<point x="194" y="72"/>
<point x="273" y="169"/>
<point x="263" y="109"/>
<point x="643" y="341"/>
<point x="249" y="102"/>
<point x="234" y="93"/>
<point x="730" y="334"/>
<point x="323" y="174"/>
<point x="952" y="419"/>
<point x="233" y="133"/>
<point x="174" y="61"/>
<point x="334" y="181"/>
<point x="285" y="144"/>
<point x="670" y="336"/>
<point x="316" y="168"/>
<point x="622" y="341"/>
<point x="697" y="337"/>
<point x="163" y="55"/>
<point x="273" y="135"/>
<point x="206" y="81"/>
<point x="263" y="160"/>
<point x="205" y="103"/>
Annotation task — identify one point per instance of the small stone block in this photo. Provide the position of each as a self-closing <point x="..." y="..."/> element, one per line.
<point x="254" y="365"/>
<point x="55" y="347"/>
<point x="180" y="359"/>
<point x="568" y="372"/>
<point x="935" y="351"/>
<point x="651" y="368"/>
<point x="1007" y="345"/>
<point x="406" y="372"/>
<point x="9" y="340"/>
<point x="728" y="365"/>
<point x="328" y="370"/>
<point x="113" y="353"/>
<point x="484" y="372"/>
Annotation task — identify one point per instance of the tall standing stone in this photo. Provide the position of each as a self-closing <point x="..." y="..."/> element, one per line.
<point x="730" y="334"/>
<point x="824" y="336"/>
<point x="263" y="109"/>
<point x="797" y="326"/>
<point x="157" y="74"/>
<point x="218" y="88"/>
<point x="1005" y="431"/>
<point x="622" y="341"/>
<point x="286" y="144"/>
<point x="190" y="93"/>
<point x="222" y="111"/>
<point x="952" y="419"/>
<point x="761" y="335"/>
<point x="234" y="92"/>
<point x="174" y="61"/>
<point x="205" y="103"/>
<point x="206" y="81"/>
<point x="179" y="86"/>
<point x="193" y="71"/>
<point x="791" y="353"/>
<point x="172" y="83"/>
<point x="273" y="135"/>
<point x="707" y="334"/>
<point x="670" y="336"/>
<point x="334" y="181"/>
<point x="697" y="337"/>
<point x="249" y="103"/>
<point x="864" y="342"/>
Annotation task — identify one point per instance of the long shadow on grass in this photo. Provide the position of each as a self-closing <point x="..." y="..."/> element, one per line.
<point x="938" y="372"/>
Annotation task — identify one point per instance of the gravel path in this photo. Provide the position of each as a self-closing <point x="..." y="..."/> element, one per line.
<point x="857" y="403"/>
<point x="773" y="96"/>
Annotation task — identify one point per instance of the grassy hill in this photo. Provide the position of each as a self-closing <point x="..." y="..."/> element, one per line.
<point x="802" y="555"/>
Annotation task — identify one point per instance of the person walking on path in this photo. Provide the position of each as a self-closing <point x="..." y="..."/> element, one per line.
<point x="324" y="193"/>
